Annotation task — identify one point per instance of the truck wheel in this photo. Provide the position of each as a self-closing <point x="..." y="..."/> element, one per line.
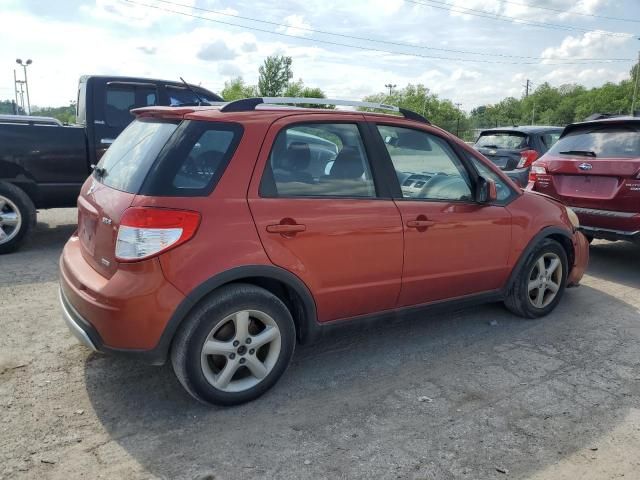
<point x="17" y="217"/>
<point x="541" y="281"/>
<point x="234" y="346"/>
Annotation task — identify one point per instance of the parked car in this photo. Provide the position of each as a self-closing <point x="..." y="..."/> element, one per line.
<point x="514" y="149"/>
<point x="43" y="163"/>
<point x="219" y="241"/>
<point x="595" y="168"/>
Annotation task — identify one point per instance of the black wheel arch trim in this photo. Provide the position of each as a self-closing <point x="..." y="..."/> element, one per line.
<point x="533" y="243"/>
<point x="307" y="327"/>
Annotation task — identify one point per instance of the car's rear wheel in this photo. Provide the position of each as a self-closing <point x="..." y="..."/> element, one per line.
<point x="541" y="281"/>
<point x="17" y="217"/>
<point x="234" y="346"/>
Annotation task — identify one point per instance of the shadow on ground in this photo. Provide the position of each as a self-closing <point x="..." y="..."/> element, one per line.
<point x="616" y="262"/>
<point x="519" y="395"/>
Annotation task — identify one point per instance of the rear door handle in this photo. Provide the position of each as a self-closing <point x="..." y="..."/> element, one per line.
<point x="284" y="228"/>
<point x="421" y="223"/>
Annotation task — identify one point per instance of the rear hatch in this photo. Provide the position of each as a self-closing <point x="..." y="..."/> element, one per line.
<point x="504" y="148"/>
<point x="152" y="158"/>
<point x="595" y="166"/>
<point x="112" y="187"/>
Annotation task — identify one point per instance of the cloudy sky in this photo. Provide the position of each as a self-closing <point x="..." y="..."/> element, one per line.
<point x="470" y="51"/>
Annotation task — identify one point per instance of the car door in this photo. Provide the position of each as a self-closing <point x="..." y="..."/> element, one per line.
<point x="334" y="226"/>
<point x="453" y="246"/>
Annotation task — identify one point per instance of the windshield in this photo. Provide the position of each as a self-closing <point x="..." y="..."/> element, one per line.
<point x="503" y="140"/>
<point x="126" y="162"/>
<point x="612" y="142"/>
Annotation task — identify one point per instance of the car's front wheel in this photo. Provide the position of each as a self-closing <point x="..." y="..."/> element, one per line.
<point x="541" y="281"/>
<point x="234" y="346"/>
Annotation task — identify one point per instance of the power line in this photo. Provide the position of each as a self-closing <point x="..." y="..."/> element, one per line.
<point x="359" y="47"/>
<point x="354" y="37"/>
<point x="558" y="10"/>
<point x="506" y="18"/>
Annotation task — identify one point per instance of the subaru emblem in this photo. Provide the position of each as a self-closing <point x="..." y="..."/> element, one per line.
<point x="585" y="166"/>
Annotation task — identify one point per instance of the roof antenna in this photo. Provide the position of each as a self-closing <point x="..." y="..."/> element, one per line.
<point x="200" y="100"/>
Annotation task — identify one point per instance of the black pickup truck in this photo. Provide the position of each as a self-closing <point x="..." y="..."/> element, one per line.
<point x="43" y="163"/>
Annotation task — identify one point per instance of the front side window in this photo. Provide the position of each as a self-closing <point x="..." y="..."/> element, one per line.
<point x="426" y="166"/>
<point x="319" y="160"/>
<point x="184" y="96"/>
<point x="503" y="190"/>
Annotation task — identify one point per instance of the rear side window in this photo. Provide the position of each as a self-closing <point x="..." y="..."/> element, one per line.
<point x="126" y="162"/>
<point x="502" y="140"/>
<point x="603" y="141"/>
<point x="193" y="160"/>
<point x="318" y="160"/>
<point x="184" y="96"/>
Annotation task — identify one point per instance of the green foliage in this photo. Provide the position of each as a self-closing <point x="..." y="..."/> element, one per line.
<point x="420" y="99"/>
<point x="6" y="108"/>
<point x="275" y="74"/>
<point x="236" y="89"/>
<point x="64" y="114"/>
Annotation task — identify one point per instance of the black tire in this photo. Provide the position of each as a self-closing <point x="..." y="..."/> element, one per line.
<point x="27" y="213"/>
<point x="518" y="300"/>
<point x="187" y="346"/>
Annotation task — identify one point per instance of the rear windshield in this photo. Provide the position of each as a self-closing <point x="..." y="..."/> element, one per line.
<point x="607" y="141"/>
<point x="504" y="140"/>
<point x="160" y="158"/>
<point x="126" y="162"/>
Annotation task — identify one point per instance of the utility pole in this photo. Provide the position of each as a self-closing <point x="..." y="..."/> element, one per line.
<point x="635" y="88"/>
<point x="458" y="120"/>
<point x="26" y="83"/>
<point x="15" y="85"/>
<point x="526" y="88"/>
<point x="390" y="87"/>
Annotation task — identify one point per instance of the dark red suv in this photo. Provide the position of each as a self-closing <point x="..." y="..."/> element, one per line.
<point x="595" y="169"/>
<point x="220" y="236"/>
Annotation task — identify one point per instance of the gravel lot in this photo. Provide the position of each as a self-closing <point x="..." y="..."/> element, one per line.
<point x="452" y="396"/>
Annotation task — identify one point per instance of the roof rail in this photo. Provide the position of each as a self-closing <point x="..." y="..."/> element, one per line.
<point x="248" y="104"/>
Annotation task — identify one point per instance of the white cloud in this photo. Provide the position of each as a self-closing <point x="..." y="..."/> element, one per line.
<point x="295" y="25"/>
<point x="552" y="9"/>
<point x="590" y="45"/>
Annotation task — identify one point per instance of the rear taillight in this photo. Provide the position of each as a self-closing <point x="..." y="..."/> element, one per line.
<point x="145" y="232"/>
<point x="535" y="171"/>
<point x="527" y="157"/>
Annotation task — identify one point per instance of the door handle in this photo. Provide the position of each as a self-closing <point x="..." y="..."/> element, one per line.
<point x="421" y="223"/>
<point x="285" y="229"/>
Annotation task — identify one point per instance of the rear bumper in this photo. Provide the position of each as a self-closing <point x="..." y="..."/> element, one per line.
<point x="610" y="234"/>
<point x="125" y="314"/>
<point x="580" y="260"/>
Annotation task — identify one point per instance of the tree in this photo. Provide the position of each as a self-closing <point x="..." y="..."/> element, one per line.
<point x="236" y="89"/>
<point x="275" y="74"/>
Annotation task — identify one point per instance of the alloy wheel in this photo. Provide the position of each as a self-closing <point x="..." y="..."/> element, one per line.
<point x="10" y="220"/>
<point x="545" y="279"/>
<point x="241" y="350"/>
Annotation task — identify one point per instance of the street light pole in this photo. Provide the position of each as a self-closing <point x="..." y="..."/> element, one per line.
<point x="26" y="83"/>
<point x="458" y="120"/>
<point x="390" y="87"/>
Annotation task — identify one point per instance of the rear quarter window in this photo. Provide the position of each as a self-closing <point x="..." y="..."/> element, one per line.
<point x="193" y="160"/>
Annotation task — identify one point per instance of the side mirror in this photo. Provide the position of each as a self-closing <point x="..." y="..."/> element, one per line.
<point x="487" y="191"/>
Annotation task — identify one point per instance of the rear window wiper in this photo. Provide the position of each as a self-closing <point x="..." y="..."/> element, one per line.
<point x="584" y="153"/>
<point x="489" y="146"/>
